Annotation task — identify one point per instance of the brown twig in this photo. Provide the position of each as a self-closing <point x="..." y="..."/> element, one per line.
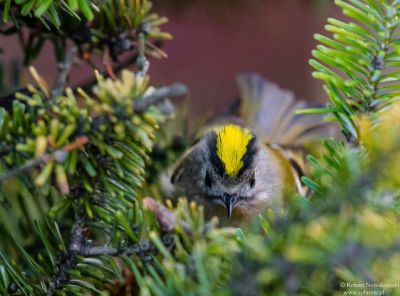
<point x="88" y="84"/>
<point x="107" y="62"/>
<point x="166" y="219"/>
<point x="59" y="155"/>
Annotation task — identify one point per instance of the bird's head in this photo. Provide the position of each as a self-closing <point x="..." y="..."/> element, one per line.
<point x="229" y="173"/>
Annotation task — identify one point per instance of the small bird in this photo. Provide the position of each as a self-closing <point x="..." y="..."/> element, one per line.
<point x="241" y="167"/>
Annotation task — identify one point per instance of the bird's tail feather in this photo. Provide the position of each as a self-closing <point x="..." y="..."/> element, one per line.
<point x="270" y="111"/>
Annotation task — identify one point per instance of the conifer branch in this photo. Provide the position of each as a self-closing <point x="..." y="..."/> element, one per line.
<point x="359" y="63"/>
<point x="59" y="155"/>
<point x="64" y="70"/>
<point x="81" y="246"/>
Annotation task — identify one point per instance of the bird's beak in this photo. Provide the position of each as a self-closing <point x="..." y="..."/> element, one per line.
<point x="230" y="202"/>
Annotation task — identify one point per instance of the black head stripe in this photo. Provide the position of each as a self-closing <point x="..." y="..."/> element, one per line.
<point x="248" y="157"/>
<point x="296" y="166"/>
<point x="217" y="163"/>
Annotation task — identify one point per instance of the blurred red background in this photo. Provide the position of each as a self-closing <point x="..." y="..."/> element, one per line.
<point x="210" y="48"/>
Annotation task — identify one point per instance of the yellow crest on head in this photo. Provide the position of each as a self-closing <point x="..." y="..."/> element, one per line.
<point x="231" y="145"/>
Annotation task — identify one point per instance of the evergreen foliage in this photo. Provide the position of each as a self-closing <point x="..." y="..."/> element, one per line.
<point x="359" y="65"/>
<point x="73" y="217"/>
<point x="109" y="28"/>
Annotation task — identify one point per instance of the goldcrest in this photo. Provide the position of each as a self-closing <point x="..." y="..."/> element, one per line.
<point x="238" y="170"/>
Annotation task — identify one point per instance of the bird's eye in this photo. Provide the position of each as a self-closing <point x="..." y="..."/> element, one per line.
<point x="208" y="180"/>
<point x="252" y="181"/>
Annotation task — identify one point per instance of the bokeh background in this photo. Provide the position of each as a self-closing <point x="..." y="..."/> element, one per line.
<point x="214" y="40"/>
